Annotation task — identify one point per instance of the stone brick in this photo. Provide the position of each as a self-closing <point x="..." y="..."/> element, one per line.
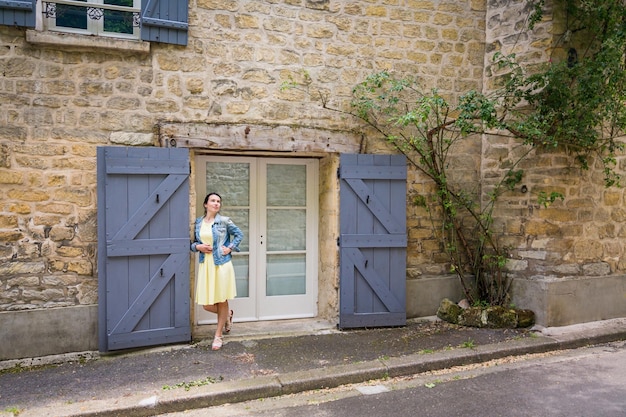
<point x="87" y="293"/>
<point x="32" y="162"/>
<point x="123" y="103"/>
<point x="80" y="197"/>
<point x="195" y="85"/>
<point x="442" y="19"/>
<point x="69" y="251"/>
<point x="83" y="150"/>
<point x="132" y="139"/>
<point x="196" y="102"/>
<point x="17" y="67"/>
<point x="558" y="215"/>
<point x="11" y="177"/>
<point x="161" y="106"/>
<point x="8" y="221"/>
<point x="588" y="249"/>
<point x="15" y="268"/>
<point x="238" y="107"/>
<point x="612" y="198"/>
<point x="258" y="75"/>
<point x="22" y="282"/>
<point x="10" y="236"/>
<point x="377" y="11"/>
<point x="247" y="22"/>
<point x="80" y="267"/>
<point x="541" y="228"/>
<point x="60" y="233"/>
<point x="27" y="195"/>
<point x="59" y="280"/>
<point x="20" y="208"/>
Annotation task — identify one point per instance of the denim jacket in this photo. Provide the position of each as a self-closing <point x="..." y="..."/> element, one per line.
<point x="223" y="227"/>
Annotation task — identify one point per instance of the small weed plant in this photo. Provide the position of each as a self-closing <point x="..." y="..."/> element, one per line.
<point x="188" y="385"/>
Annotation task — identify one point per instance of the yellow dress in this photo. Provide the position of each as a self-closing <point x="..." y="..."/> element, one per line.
<point x="216" y="283"/>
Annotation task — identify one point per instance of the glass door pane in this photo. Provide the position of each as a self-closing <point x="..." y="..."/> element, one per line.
<point x="231" y="180"/>
<point x="286" y="229"/>
<point x="286" y="245"/>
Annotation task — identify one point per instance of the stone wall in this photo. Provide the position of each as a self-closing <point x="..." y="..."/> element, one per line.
<point x="59" y="103"/>
<point x="567" y="259"/>
<point x="64" y="95"/>
<point x="581" y="235"/>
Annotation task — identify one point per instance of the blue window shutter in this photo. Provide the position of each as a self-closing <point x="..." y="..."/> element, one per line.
<point x="164" y="21"/>
<point x="18" y="13"/>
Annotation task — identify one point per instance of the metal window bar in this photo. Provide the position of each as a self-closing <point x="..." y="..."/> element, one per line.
<point x="95" y="11"/>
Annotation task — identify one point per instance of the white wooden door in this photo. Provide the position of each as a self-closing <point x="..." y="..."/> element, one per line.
<point x="275" y="203"/>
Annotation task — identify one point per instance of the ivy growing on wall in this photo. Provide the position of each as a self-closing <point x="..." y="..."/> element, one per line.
<point x="574" y="103"/>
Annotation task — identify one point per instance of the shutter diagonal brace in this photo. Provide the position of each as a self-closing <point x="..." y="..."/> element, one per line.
<point x="374" y="281"/>
<point x="146" y="298"/>
<point x="375" y="206"/>
<point x="149" y="208"/>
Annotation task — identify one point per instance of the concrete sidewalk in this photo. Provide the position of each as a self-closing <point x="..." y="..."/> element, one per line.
<point x="265" y="360"/>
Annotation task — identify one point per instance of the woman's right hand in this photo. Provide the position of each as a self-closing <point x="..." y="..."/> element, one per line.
<point x="205" y="248"/>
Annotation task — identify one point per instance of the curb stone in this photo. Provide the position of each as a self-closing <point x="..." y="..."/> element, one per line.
<point x="145" y="404"/>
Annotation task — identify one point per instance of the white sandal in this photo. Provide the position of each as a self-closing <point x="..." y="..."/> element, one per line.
<point x="217" y="343"/>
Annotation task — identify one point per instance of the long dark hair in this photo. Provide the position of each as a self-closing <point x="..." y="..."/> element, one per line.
<point x="206" y="199"/>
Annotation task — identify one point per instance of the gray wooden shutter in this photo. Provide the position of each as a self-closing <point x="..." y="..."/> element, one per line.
<point x="164" y="21"/>
<point x="19" y="13"/>
<point x="143" y="247"/>
<point x="372" y="241"/>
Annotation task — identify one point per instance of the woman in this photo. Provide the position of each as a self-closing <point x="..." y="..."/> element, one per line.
<point x="216" y="274"/>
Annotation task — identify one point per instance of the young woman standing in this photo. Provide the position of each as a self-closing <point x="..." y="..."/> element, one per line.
<point x="216" y="274"/>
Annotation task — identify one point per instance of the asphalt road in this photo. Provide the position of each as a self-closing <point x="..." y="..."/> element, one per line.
<point x="589" y="382"/>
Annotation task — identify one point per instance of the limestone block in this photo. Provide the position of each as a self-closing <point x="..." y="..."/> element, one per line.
<point x="81" y="197"/>
<point x="80" y="267"/>
<point x="24" y="281"/>
<point x="8" y="221"/>
<point x="10" y="236"/>
<point x="449" y="311"/>
<point x="8" y="269"/>
<point x="588" y="249"/>
<point x="132" y="139"/>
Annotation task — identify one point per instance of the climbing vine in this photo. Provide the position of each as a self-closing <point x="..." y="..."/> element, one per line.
<point x="573" y="103"/>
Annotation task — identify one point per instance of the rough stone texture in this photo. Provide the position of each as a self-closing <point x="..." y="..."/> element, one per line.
<point x="63" y="96"/>
<point x="492" y="317"/>
<point x="449" y="311"/>
<point x="580" y="236"/>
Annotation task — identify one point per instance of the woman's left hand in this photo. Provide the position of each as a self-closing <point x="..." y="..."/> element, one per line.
<point x="226" y="250"/>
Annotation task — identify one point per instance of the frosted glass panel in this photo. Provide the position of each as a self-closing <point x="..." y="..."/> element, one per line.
<point x="241" y="217"/>
<point x="242" y="272"/>
<point x="286" y="185"/>
<point x="286" y="275"/>
<point x="286" y="230"/>
<point x="231" y="181"/>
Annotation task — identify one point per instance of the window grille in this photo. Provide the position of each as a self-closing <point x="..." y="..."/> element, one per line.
<point x="115" y="18"/>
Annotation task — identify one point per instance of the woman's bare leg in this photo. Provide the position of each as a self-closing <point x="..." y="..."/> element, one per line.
<point x="222" y="311"/>
<point x="222" y="316"/>
<point x="212" y="308"/>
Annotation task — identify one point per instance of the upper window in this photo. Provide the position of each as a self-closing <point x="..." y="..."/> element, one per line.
<point x="117" y="18"/>
<point x="149" y="20"/>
